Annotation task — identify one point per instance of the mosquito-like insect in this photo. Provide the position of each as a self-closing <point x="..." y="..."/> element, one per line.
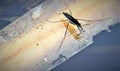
<point x="74" y="21"/>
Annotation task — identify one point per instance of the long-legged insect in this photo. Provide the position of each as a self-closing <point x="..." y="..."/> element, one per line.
<point x="72" y="20"/>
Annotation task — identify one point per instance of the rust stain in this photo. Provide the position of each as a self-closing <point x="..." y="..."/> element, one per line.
<point x="15" y="53"/>
<point x="72" y="30"/>
<point x="11" y="56"/>
<point x="20" y="50"/>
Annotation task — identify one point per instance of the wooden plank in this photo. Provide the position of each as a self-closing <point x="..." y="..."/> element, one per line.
<point x="30" y="42"/>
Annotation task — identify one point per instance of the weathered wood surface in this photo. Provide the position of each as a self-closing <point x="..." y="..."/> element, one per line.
<point x="30" y="42"/>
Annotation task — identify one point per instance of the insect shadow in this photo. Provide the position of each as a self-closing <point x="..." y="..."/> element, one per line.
<point x="72" y="20"/>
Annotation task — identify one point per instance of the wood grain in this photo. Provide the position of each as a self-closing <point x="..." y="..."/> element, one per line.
<point x="26" y="42"/>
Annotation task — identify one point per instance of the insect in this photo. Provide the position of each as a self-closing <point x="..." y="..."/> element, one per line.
<point x="71" y="20"/>
<point x="74" y="21"/>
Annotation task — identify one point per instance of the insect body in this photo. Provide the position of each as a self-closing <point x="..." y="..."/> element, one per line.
<point x="74" y="21"/>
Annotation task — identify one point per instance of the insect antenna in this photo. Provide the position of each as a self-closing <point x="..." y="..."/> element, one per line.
<point x="67" y="7"/>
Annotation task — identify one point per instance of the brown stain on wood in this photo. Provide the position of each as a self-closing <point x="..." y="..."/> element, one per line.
<point x="11" y="56"/>
<point x="21" y="49"/>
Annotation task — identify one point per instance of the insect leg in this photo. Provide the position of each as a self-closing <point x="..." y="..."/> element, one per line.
<point x="67" y="7"/>
<point x="81" y="30"/>
<point x="63" y="37"/>
<point x="94" y="20"/>
<point x="56" y="21"/>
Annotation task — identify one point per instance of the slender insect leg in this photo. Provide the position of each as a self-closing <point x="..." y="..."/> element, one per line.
<point x="94" y="20"/>
<point x="63" y="37"/>
<point x="86" y="24"/>
<point x="81" y="30"/>
<point x="56" y="21"/>
<point x="85" y="20"/>
<point x="67" y="7"/>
